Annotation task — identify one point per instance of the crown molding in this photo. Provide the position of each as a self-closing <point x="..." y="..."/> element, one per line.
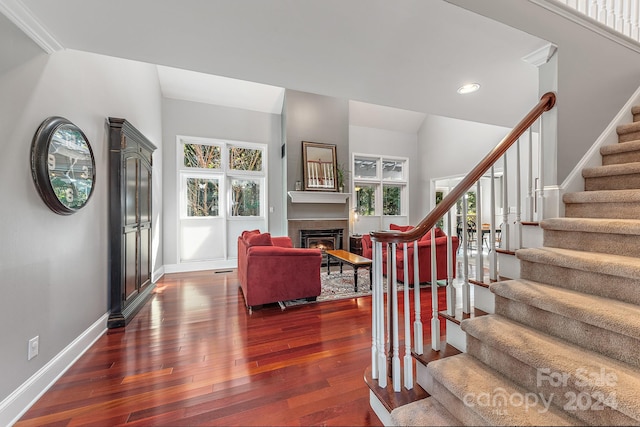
<point x="24" y="19"/>
<point x="541" y="56"/>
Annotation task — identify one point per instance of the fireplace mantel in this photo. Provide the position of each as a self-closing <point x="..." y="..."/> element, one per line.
<point x="318" y="197"/>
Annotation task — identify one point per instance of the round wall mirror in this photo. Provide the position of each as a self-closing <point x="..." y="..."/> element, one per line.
<point x="62" y="165"/>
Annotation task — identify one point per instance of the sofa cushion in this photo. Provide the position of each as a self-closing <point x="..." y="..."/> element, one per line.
<point x="260" y="240"/>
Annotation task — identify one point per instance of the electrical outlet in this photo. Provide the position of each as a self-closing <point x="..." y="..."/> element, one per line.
<point x="33" y="347"/>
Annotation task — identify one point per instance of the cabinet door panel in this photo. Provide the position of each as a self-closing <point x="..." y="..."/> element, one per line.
<point x="144" y="196"/>
<point x="145" y="265"/>
<point x="131" y="190"/>
<point x="131" y="263"/>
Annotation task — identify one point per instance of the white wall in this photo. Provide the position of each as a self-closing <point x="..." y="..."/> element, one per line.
<point x="450" y="148"/>
<point x="209" y="121"/>
<point x="53" y="268"/>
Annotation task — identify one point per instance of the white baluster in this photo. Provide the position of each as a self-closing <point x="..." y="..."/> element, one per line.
<point x="466" y="291"/>
<point x="518" y="224"/>
<point x="634" y="19"/>
<point x="435" y="320"/>
<point x="611" y="16"/>
<point x="408" y="361"/>
<point x="618" y="18"/>
<point x="493" y="255"/>
<point x="593" y="9"/>
<point x="581" y="6"/>
<point x="505" y="207"/>
<point x="382" y="353"/>
<point x="540" y="204"/>
<point x="602" y="12"/>
<point x="451" y="291"/>
<point x="530" y="187"/>
<point x="375" y="294"/>
<point x="626" y="17"/>
<point x="395" y="358"/>
<point x="479" y="238"/>
<point x="417" y="323"/>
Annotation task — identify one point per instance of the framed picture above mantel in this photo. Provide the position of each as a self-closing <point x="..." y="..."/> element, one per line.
<point x="319" y="166"/>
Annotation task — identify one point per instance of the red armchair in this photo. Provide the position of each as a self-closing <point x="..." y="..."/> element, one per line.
<point x="270" y="269"/>
<point x="424" y="255"/>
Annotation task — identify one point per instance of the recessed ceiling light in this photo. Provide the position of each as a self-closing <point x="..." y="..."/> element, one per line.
<point x="468" y="88"/>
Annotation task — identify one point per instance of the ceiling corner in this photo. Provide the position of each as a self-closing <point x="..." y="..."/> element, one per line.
<point x="24" y="19"/>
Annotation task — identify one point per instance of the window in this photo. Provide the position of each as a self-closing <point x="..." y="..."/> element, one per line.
<point x="380" y="185"/>
<point x="221" y="179"/>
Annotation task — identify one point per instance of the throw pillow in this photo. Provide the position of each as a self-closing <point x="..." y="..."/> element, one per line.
<point x="248" y="233"/>
<point x="260" y="240"/>
<point x="400" y="227"/>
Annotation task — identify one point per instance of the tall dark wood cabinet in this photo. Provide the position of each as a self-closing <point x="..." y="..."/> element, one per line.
<point x="130" y="220"/>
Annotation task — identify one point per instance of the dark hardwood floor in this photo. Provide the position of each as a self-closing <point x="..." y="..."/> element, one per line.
<point x="194" y="356"/>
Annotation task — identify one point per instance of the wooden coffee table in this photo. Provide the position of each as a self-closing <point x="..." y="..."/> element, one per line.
<point x="355" y="261"/>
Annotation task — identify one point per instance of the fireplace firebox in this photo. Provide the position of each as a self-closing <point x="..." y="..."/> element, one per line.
<point x="322" y="239"/>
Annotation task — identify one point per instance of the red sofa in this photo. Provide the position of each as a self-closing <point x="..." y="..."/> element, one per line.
<point x="270" y="269"/>
<point x="424" y="255"/>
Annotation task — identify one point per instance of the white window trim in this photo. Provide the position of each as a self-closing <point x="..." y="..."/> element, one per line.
<point x="379" y="182"/>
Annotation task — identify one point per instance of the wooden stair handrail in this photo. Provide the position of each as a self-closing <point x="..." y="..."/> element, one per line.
<point x="547" y="101"/>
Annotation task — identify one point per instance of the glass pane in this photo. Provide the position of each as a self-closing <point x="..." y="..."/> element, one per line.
<point x="245" y="159"/>
<point x="366" y="200"/>
<point x="391" y="200"/>
<point x="393" y="170"/>
<point x="202" y="156"/>
<point x="245" y="197"/>
<point x="365" y="167"/>
<point x="202" y="197"/>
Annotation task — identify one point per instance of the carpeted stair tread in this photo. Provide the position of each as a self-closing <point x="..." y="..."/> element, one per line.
<point x="424" y="412"/>
<point x="541" y="351"/>
<point x="635" y="109"/>
<point x="611" y="170"/>
<point x="603" y="196"/>
<point x="605" y="313"/>
<point x="615" y="265"/>
<point x="593" y="225"/>
<point x="626" y="129"/>
<point x="469" y="379"/>
<point x="622" y="147"/>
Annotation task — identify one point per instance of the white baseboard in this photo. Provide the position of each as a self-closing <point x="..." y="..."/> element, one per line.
<point x="18" y="402"/>
<point x="200" y="265"/>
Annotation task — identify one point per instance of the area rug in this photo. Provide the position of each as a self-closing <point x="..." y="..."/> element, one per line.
<point x="336" y="286"/>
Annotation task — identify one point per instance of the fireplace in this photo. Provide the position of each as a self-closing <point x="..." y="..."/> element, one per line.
<point x="325" y="240"/>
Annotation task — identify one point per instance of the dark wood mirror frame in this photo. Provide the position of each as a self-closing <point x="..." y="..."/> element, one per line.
<point x="319" y="166"/>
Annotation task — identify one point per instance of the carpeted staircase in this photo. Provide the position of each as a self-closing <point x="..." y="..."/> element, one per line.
<point x="563" y="347"/>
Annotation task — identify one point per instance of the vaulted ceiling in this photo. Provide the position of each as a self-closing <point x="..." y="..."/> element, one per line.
<point x="406" y="54"/>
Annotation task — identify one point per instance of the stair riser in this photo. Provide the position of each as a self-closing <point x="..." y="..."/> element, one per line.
<point x="636" y="117"/>
<point x="629" y="136"/>
<point x="537" y="382"/>
<point x="621" y="158"/>
<point x="603" y="210"/>
<point x="615" y="182"/>
<point x="614" y="244"/>
<point x="614" y="287"/>
<point x="611" y="344"/>
<point x="464" y="413"/>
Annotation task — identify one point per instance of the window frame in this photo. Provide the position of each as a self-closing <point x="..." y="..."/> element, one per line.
<point x="379" y="182"/>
